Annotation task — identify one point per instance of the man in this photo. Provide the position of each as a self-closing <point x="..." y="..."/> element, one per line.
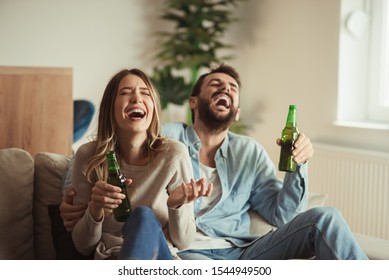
<point x="243" y="177"/>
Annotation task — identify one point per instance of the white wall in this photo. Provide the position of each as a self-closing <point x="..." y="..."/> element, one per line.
<point x="289" y="54"/>
<point x="94" y="37"/>
<point x="286" y="52"/>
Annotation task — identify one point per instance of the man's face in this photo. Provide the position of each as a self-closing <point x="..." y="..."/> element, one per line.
<point x="218" y="102"/>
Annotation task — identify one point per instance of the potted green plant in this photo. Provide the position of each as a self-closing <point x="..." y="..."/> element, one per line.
<point x="193" y="44"/>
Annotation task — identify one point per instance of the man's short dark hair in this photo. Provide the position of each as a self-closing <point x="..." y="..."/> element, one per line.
<point x="222" y="68"/>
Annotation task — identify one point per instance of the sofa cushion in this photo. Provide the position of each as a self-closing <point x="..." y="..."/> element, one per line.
<point x="16" y="189"/>
<point x="49" y="171"/>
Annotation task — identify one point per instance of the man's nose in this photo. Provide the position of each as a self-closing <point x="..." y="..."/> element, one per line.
<point x="226" y="87"/>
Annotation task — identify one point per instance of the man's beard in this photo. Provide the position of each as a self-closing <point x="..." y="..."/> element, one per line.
<point x="211" y="120"/>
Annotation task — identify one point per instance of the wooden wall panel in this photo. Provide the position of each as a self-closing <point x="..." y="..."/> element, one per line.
<point x="36" y="109"/>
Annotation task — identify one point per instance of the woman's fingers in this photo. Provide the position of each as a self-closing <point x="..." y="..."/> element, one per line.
<point x="195" y="192"/>
<point x="106" y="196"/>
<point x="209" y="189"/>
<point x="189" y="192"/>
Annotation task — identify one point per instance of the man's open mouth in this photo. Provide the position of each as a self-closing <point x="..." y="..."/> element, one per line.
<point x="223" y="101"/>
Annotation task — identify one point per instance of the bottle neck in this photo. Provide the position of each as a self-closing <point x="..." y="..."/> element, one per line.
<point x="113" y="166"/>
<point x="291" y="120"/>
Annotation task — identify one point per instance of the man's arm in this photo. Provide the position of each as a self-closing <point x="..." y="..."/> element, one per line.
<point x="278" y="201"/>
<point x="70" y="213"/>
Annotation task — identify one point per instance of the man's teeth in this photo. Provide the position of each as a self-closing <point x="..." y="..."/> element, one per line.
<point x="222" y="100"/>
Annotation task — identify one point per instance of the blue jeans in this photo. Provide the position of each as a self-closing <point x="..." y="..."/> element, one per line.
<point x="319" y="233"/>
<point x="143" y="238"/>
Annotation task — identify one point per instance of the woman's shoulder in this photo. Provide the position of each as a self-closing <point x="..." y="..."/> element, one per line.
<point x="173" y="147"/>
<point x="86" y="150"/>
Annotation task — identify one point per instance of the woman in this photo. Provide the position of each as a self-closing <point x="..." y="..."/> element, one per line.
<point x="158" y="170"/>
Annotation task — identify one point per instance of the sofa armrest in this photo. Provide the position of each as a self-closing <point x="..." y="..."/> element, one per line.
<point x="375" y="248"/>
<point x="16" y="190"/>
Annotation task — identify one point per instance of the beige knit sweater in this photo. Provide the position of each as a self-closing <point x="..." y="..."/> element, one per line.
<point x="150" y="187"/>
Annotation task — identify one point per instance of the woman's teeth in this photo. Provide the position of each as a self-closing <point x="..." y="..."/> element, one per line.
<point x="136" y="114"/>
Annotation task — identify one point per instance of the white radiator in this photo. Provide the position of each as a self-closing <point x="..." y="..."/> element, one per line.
<point x="357" y="183"/>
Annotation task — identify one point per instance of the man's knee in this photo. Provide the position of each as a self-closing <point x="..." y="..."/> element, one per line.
<point x="327" y="214"/>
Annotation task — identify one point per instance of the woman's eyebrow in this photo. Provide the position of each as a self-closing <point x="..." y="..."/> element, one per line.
<point x="124" y="88"/>
<point x="132" y="88"/>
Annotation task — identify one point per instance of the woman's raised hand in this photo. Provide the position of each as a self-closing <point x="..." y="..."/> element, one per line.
<point x="189" y="192"/>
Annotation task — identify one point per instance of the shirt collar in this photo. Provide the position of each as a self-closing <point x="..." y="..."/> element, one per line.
<point x="193" y="137"/>
<point x="224" y="147"/>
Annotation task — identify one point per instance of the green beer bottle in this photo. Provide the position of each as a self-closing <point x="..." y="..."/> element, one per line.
<point x="116" y="178"/>
<point x="288" y="137"/>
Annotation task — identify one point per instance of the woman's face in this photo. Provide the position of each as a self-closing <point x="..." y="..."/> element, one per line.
<point x="134" y="105"/>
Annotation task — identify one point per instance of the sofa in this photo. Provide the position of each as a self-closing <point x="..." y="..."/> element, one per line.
<point x="30" y="194"/>
<point x="30" y="224"/>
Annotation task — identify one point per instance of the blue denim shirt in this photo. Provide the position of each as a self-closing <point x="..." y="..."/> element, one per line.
<point x="248" y="180"/>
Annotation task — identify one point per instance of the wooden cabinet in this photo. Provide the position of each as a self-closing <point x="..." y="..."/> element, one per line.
<point x="36" y="109"/>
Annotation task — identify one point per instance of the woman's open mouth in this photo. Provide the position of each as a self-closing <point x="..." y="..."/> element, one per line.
<point x="136" y="114"/>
